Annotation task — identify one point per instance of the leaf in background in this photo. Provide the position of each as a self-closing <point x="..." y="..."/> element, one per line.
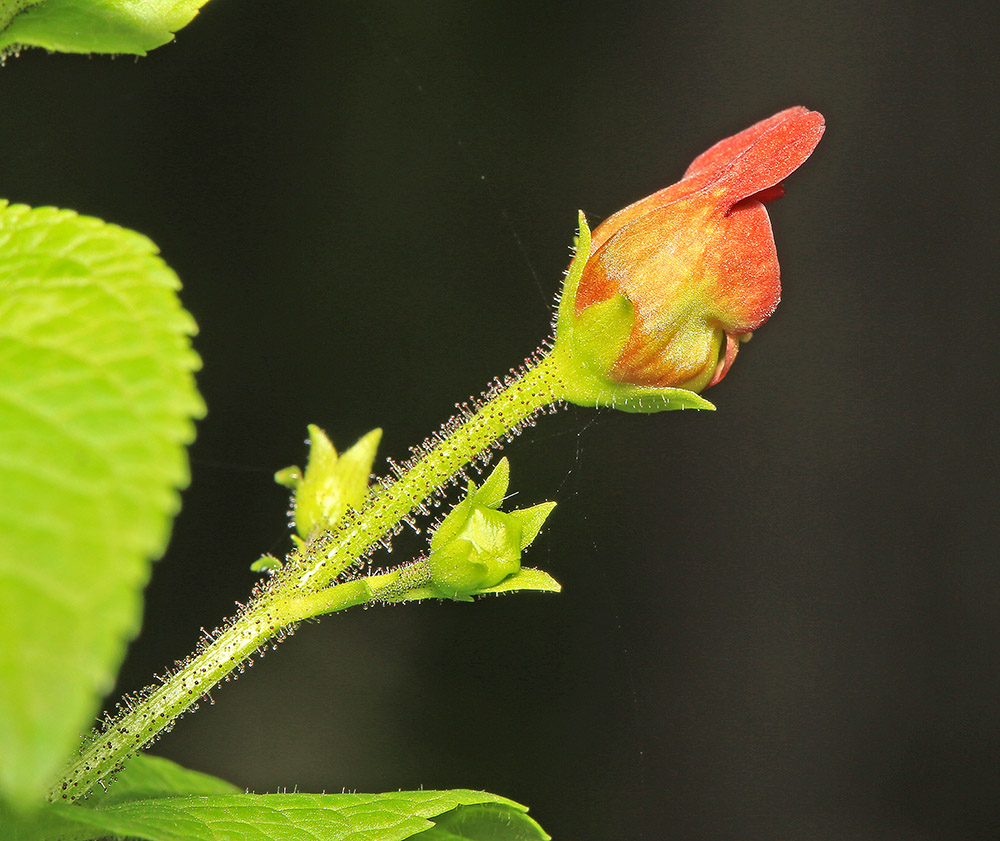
<point x="96" y="404"/>
<point x="143" y="777"/>
<point x="146" y="776"/>
<point x="93" y="26"/>
<point x="291" y="817"/>
<point x="46" y="825"/>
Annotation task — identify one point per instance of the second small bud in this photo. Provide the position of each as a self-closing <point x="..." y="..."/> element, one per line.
<point x="478" y="546"/>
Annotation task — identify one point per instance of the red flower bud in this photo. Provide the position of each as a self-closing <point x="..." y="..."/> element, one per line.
<point x="696" y="260"/>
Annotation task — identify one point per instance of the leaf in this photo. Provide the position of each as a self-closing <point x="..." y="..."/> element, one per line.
<point x="96" y="402"/>
<point x="143" y="777"/>
<point x="484" y="822"/>
<point x="284" y="817"/>
<point x="46" y="825"/>
<point x="93" y="26"/>
<point x="146" y="776"/>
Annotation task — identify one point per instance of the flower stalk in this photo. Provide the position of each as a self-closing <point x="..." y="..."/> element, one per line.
<point x="301" y="588"/>
<point x="650" y="315"/>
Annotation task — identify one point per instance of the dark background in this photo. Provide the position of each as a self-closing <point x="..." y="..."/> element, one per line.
<point x="779" y="620"/>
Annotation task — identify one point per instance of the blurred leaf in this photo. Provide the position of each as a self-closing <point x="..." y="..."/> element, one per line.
<point x="46" y="825"/>
<point x="96" y="402"/>
<point x="146" y="776"/>
<point x="93" y="26"/>
<point x="277" y="817"/>
<point x="143" y="777"/>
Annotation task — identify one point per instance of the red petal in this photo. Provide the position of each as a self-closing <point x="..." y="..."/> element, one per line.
<point x="745" y="263"/>
<point x="653" y="260"/>
<point x="770" y="194"/>
<point x="614" y="223"/>
<point x="732" y="347"/>
<point x="774" y="154"/>
<point x="757" y="159"/>
<point x="725" y="151"/>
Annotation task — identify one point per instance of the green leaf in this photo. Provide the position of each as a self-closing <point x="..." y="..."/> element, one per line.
<point x="143" y="777"/>
<point x="146" y="776"/>
<point x="96" y="404"/>
<point x="281" y="817"/>
<point x="485" y="822"/>
<point x="46" y="825"/>
<point x="93" y="26"/>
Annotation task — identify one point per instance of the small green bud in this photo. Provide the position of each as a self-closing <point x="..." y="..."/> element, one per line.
<point x="477" y="546"/>
<point x="331" y="483"/>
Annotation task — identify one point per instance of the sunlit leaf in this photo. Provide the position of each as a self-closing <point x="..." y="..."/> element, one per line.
<point x="96" y="404"/>
<point x="93" y="26"/>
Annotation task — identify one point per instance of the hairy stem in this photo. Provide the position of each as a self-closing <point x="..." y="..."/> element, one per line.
<point x="302" y="588"/>
<point x="455" y="447"/>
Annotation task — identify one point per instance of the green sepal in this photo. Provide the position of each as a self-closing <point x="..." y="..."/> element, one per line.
<point x="454" y="522"/>
<point x="600" y="333"/>
<point x="587" y="347"/>
<point x="592" y="345"/>
<point x="486" y="551"/>
<point x="531" y="520"/>
<point x="567" y="298"/>
<point x="582" y="361"/>
<point x="526" y="578"/>
<point x="289" y="477"/>
<point x="331" y="483"/>
<point x="477" y="547"/>
<point x="494" y="489"/>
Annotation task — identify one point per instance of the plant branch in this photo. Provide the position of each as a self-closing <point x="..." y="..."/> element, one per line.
<point x="302" y="588"/>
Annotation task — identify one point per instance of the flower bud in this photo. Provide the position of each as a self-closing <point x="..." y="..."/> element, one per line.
<point x="477" y="546"/>
<point x="331" y="483"/>
<point x="671" y="285"/>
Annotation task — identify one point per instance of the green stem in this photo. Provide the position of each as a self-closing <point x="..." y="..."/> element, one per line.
<point x="380" y="587"/>
<point x="460" y="444"/>
<point x="147" y="717"/>
<point x="301" y="589"/>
